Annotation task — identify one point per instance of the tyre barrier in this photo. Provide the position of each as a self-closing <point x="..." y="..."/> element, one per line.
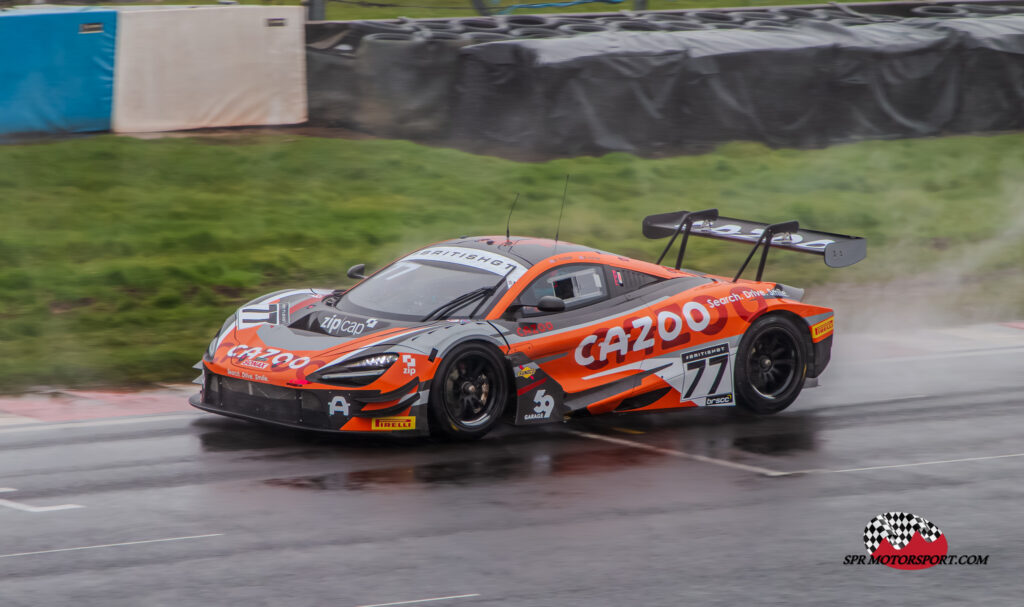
<point x="826" y="14"/>
<point x="637" y="25"/>
<point x="794" y="13"/>
<point x="766" y="25"/>
<point x="536" y="32"/>
<point x="851" y="22"/>
<point x="682" y="26"/>
<point x="438" y="35"/>
<point x="479" y="37"/>
<point x="710" y="17"/>
<point x="574" y="29"/>
<point x="391" y="65"/>
<point x="939" y="11"/>
<point x="759" y="16"/>
<point x="484" y="24"/>
<point x="669" y="17"/>
<point x="986" y="9"/>
<point x="403" y="78"/>
<point x="381" y="27"/>
<point x="441" y="26"/>
<point x="346" y="37"/>
<point x="571" y="20"/>
<point x="531" y="21"/>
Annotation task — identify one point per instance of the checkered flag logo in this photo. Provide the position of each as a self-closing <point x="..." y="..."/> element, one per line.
<point x="899" y="528"/>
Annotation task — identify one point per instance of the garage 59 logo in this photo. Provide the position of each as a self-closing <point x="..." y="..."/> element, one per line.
<point x="903" y="540"/>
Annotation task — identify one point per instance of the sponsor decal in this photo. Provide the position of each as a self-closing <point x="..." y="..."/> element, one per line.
<point x="334" y="325"/>
<point x="401" y="422"/>
<point x="255" y="364"/>
<point x="371" y="322"/>
<point x="666" y="328"/>
<point x="823" y="328"/>
<point x="410" y="364"/>
<point x="249" y="376"/>
<point x="903" y="540"/>
<point x="706" y="352"/>
<point x="794" y="239"/>
<point x="742" y="295"/>
<point x="337" y="405"/>
<point x="275" y="358"/>
<point x="545" y="405"/>
<point x="534" y="328"/>
<point x="526" y="372"/>
<point x="474" y="258"/>
<point x="275" y="314"/>
<point x="706" y="369"/>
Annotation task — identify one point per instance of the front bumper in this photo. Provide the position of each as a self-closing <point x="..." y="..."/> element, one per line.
<point x="309" y="409"/>
<point x="821" y="353"/>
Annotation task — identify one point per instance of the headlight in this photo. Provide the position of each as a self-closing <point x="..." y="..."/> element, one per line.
<point x="358" y="372"/>
<point x="212" y="348"/>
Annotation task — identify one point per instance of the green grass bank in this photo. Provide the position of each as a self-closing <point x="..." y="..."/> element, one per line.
<point x="120" y="257"/>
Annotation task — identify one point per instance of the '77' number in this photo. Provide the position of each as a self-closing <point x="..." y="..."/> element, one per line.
<point x="699" y="366"/>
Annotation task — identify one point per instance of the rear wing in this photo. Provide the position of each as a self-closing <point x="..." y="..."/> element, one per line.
<point x="838" y="250"/>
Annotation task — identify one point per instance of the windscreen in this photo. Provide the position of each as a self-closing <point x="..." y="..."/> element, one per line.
<point x="410" y="290"/>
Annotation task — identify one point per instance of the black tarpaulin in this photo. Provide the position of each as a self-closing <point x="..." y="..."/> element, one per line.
<point x="813" y="84"/>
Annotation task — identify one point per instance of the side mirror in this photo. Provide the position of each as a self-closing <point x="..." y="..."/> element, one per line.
<point x="550" y="303"/>
<point x="356" y="271"/>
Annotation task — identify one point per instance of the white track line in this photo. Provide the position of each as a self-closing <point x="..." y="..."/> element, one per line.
<point x="413" y="602"/>
<point x="940" y="356"/>
<point x="6" y="419"/>
<point x="166" y="539"/>
<point x="931" y="463"/>
<point x="28" y="508"/>
<point x="681" y="454"/>
<point x="118" y="421"/>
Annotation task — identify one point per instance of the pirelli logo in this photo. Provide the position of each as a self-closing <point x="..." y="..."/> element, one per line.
<point x="404" y="422"/>
<point x="823" y="328"/>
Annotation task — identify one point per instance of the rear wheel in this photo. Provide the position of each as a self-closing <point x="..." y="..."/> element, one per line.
<point x="468" y="393"/>
<point x="771" y="365"/>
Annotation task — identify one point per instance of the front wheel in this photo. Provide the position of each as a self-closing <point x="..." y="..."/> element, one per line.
<point x="468" y="393"/>
<point x="771" y="365"/>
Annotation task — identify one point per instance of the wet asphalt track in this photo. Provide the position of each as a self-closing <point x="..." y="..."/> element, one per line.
<point x="583" y="514"/>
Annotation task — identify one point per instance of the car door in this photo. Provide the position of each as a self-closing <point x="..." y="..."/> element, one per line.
<point x="581" y="357"/>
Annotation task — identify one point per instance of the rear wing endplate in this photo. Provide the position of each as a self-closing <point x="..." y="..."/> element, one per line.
<point x="838" y="250"/>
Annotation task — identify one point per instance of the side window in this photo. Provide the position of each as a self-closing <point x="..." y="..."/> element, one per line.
<point x="578" y="285"/>
<point x="627" y="281"/>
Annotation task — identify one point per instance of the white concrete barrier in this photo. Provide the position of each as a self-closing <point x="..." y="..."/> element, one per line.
<point x="198" y="67"/>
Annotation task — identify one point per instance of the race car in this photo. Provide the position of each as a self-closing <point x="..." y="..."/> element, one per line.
<point x="459" y="335"/>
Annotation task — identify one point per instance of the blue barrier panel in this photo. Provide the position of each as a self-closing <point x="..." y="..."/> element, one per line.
<point x="56" y="70"/>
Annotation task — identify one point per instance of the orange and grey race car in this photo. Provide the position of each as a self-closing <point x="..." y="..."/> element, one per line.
<point x="454" y="337"/>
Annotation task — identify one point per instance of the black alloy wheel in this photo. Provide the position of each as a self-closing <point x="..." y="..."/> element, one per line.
<point x="468" y="394"/>
<point x="771" y="364"/>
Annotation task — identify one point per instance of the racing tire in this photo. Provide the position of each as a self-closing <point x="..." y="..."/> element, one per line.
<point x="771" y="365"/>
<point x="468" y="392"/>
